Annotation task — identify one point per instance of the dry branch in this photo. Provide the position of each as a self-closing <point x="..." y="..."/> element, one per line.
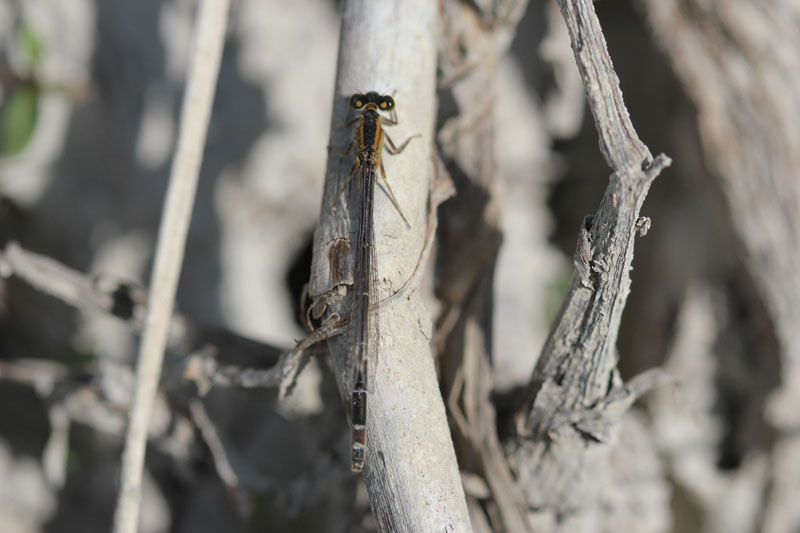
<point x="411" y="472"/>
<point x="575" y="399"/>
<point x="207" y="356"/>
<point x="470" y="49"/>
<point x="209" y="38"/>
<point x="97" y="395"/>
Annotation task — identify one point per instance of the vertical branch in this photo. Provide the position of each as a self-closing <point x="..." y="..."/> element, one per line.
<point x="411" y="471"/>
<point x="201" y="84"/>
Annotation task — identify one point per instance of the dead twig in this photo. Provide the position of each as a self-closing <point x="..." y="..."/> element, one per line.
<point x="559" y="458"/>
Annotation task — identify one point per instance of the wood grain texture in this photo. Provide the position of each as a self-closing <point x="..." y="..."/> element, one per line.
<point x="411" y="471"/>
<point x="576" y="400"/>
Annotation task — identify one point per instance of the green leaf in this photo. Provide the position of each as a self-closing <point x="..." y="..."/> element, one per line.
<point x="32" y="44"/>
<point x="18" y="119"/>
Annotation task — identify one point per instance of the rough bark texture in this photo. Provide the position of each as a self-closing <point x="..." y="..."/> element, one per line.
<point x="568" y="425"/>
<point x="713" y="297"/>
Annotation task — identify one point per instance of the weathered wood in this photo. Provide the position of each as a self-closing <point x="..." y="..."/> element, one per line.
<point x="575" y="400"/>
<point x="411" y="471"/>
<point x="471" y="45"/>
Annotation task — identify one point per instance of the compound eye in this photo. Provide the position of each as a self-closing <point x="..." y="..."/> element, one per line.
<point x="357" y="101"/>
<point x="387" y="103"/>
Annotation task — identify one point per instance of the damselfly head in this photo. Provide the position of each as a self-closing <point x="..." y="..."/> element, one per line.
<point x="379" y="101"/>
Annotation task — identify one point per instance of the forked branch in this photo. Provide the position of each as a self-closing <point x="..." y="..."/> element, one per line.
<point x="573" y="399"/>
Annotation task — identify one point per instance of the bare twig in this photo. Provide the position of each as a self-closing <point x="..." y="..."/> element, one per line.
<point x="562" y="466"/>
<point x="411" y="472"/>
<point x="469" y="239"/>
<point x="209" y="38"/>
<point x="204" y="369"/>
<point x="219" y="453"/>
<point x="202" y="350"/>
<point x="126" y="301"/>
<point x="82" y="396"/>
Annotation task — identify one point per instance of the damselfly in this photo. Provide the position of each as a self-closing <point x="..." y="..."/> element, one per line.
<point x="368" y="141"/>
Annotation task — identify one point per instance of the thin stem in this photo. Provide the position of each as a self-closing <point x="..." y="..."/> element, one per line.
<point x="209" y="39"/>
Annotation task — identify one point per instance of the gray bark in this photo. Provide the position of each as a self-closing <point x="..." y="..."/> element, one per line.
<point x="568" y="426"/>
<point x="471" y="44"/>
<point x="390" y="48"/>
